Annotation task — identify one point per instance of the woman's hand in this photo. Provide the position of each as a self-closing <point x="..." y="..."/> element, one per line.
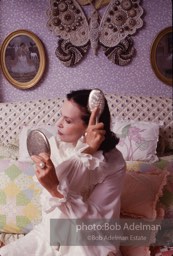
<point x="95" y="133"/>
<point x="47" y="175"/>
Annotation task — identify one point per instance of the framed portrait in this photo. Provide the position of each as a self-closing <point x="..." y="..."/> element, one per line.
<point x="22" y="59"/>
<point x="161" y="55"/>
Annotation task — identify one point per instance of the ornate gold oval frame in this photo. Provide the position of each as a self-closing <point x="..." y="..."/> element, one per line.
<point x="7" y="56"/>
<point x="154" y="55"/>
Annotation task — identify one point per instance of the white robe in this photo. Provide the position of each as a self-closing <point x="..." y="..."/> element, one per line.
<point x="91" y="186"/>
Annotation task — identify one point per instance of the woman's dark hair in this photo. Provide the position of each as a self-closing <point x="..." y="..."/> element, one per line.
<point x="80" y="97"/>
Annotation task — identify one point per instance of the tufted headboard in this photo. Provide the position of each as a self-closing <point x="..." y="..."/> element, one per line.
<point x="46" y="111"/>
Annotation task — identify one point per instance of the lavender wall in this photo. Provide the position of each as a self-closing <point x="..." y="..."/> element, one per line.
<point x="136" y="78"/>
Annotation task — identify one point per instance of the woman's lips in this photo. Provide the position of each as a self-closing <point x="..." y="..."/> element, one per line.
<point x="60" y="133"/>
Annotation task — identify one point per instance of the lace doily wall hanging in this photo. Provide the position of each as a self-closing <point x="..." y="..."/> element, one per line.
<point x="97" y="3"/>
<point x="112" y="32"/>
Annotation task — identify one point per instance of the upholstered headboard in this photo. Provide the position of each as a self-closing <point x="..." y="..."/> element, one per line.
<point x="46" y="111"/>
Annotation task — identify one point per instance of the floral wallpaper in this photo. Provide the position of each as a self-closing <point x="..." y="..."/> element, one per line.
<point x="137" y="78"/>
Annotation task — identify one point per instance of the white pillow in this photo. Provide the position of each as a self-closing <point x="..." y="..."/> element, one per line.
<point x="48" y="130"/>
<point x="138" y="139"/>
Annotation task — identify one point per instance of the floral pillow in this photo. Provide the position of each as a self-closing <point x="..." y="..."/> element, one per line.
<point x="20" y="209"/>
<point x="138" y="140"/>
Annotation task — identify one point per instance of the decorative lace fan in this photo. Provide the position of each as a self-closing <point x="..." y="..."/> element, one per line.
<point x="113" y="32"/>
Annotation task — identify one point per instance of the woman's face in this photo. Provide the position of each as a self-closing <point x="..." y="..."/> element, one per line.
<point x="70" y="125"/>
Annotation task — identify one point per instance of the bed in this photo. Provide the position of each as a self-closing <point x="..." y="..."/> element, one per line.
<point x="144" y="125"/>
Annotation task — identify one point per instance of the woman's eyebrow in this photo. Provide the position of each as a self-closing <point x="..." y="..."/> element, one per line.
<point x="67" y="117"/>
<point x="61" y="113"/>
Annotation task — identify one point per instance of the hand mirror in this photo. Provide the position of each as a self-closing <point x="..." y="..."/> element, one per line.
<point x="37" y="143"/>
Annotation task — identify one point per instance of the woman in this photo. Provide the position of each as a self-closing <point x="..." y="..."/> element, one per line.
<point x="23" y="62"/>
<point x="82" y="179"/>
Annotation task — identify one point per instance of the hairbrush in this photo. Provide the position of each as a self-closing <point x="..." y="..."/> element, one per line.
<point x="96" y="100"/>
<point x="37" y="143"/>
